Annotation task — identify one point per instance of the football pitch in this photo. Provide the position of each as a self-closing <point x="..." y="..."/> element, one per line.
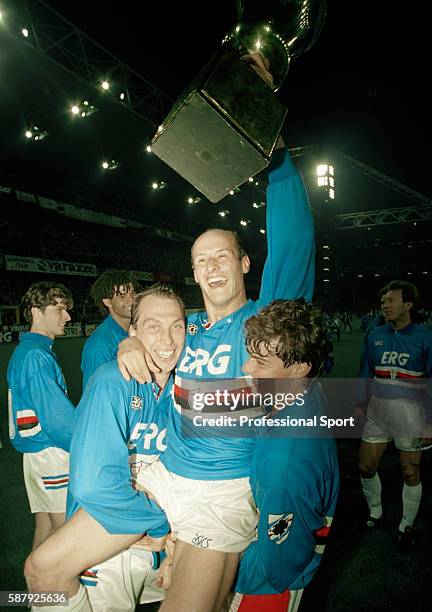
<point x="361" y="572"/>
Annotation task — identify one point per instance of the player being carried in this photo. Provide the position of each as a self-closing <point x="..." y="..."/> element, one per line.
<point x="120" y="425"/>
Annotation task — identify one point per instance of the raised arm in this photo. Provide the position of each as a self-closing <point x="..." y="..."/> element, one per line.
<point x="289" y="271"/>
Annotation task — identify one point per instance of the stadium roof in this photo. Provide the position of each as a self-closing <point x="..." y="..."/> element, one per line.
<point x="354" y="90"/>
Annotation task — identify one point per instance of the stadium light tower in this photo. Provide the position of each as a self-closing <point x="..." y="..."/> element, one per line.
<point x="325" y="179"/>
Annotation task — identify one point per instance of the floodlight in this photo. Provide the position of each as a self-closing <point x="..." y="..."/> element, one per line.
<point x="158" y="185"/>
<point x="36" y="134"/>
<point x="110" y="164"/>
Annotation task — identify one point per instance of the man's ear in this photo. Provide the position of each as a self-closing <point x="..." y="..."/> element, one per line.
<point x="302" y="370"/>
<point x="245" y="264"/>
<point x="107" y="302"/>
<point x="36" y="313"/>
<point x="409" y="305"/>
<point x="195" y="277"/>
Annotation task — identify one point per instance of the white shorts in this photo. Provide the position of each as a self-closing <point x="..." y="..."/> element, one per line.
<point x="210" y="514"/>
<point x="399" y="420"/>
<point x="122" y="582"/>
<point x="46" y="478"/>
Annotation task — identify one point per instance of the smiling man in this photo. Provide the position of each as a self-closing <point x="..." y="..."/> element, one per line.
<point x="398" y="357"/>
<point x="41" y="417"/>
<point x="113" y="293"/>
<point x="120" y="428"/>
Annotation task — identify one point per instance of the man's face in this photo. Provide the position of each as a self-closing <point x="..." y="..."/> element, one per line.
<point x="265" y="365"/>
<point x="218" y="269"/>
<point x="393" y="308"/>
<point x="51" y="322"/>
<point x="120" y="304"/>
<point x="161" y="329"/>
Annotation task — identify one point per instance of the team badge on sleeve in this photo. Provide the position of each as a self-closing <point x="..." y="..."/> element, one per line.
<point x="278" y="526"/>
<point x="137" y="402"/>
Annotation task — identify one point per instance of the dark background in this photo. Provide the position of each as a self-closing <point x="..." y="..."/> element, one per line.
<point x="360" y="90"/>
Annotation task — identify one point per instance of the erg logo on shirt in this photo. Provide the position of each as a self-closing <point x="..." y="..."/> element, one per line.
<point x="194" y="361"/>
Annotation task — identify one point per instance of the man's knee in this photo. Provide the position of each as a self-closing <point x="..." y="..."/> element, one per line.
<point x="40" y="571"/>
<point x="366" y="472"/>
<point x="367" y="467"/>
<point x="368" y="460"/>
<point x="411" y="474"/>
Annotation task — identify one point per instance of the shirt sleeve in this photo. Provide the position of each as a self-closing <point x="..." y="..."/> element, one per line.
<point x="428" y="372"/>
<point x="289" y="271"/>
<point x="56" y="413"/>
<point x="100" y="479"/>
<point x="293" y="525"/>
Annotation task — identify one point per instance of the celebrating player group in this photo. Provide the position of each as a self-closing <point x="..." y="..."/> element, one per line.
<point x="133" y="502"/>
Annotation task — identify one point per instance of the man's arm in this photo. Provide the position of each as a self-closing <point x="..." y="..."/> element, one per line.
<point x="366" y="373"/>
<point x="55" y="411"/>
<point x="289" y="271"/>
<point x="292" y="532"/>
<point x="99" y="470"/>
<point x="427" y="397"/>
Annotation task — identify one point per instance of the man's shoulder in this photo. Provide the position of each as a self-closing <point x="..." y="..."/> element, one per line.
<point x="423" y="331"/>
<point x="28" y="359"/>
<point x="195" y="317"/>
<point x="294" y="456"/>
<point x="33" y="351"/>
<point x="379" y="332"/>
<point x="97" y="332"/>
<point x="109" y="374"/>
<point x="108" y="377"/>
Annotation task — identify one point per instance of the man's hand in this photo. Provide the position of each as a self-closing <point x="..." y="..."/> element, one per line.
<point x="164" y="579"/>
<point x="151" y="544"/>
<point x="426" y="434"/>
<point x="261" y="66"/>
<point x="170" y="545"/>
<point x="360" y="416"/>
<point x="134" y="362"/>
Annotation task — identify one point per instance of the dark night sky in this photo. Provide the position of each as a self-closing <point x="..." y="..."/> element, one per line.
<point x="361" y="88"/>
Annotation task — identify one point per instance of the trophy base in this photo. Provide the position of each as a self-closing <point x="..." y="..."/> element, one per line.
<point x="224" y="127"/>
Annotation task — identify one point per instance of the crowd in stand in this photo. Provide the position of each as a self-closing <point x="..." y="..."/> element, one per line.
<point x="31" y="231"/>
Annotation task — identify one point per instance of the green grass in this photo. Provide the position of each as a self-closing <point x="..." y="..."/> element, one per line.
<point x="359" y="572"/>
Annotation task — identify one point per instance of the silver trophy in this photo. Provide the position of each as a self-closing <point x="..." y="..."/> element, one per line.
<point x="224" y="127"/>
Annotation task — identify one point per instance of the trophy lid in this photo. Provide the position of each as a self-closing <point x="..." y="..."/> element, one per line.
<point x="280" y="30"/>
